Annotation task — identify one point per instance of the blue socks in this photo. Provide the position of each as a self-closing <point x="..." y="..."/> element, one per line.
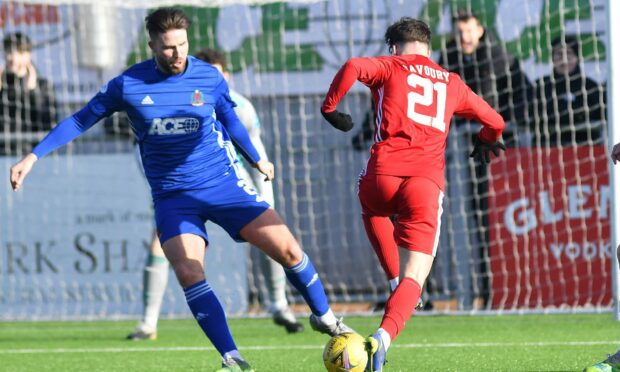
<point x="209" y="314"/>
<point x="305" y="279"/>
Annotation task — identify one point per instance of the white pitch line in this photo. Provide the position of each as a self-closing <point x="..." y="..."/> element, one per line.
<point x="309" y="347"/>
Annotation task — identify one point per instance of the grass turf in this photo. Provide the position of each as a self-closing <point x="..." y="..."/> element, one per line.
<point x="429" y="343"/>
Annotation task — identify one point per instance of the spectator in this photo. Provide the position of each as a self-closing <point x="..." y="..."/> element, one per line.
<point x="487" y="68"/>
<point x="27" y="104"/>
<point x="570" y="106"/>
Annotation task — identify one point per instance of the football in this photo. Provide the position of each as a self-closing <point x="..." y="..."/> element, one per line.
<point x="345" y="353"/>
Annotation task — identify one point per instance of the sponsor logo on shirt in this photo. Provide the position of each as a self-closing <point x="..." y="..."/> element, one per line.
<point x="165" y="126"/>
<point x="198" y="98"/>
<point x="147" y="100"/>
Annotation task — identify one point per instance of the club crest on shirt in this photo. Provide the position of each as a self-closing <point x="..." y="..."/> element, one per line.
<point x="198" y="98"/>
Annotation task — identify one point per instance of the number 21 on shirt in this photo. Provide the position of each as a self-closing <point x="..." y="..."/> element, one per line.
<point x="427" y="99"/>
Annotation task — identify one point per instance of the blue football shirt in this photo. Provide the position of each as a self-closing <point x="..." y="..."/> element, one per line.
<point x="181" y="143"/>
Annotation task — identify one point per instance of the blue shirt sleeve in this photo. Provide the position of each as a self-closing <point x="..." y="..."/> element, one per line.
<point x="107" y="101"/>
<point x="225" y="113"/>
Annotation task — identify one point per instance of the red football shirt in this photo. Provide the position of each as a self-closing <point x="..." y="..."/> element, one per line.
<point x="415" y="100"/>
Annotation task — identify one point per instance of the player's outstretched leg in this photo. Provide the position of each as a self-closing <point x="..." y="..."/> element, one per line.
<point x="268" y="233"/>
<point x="275" y="279"/>
<point x="155" y="280"/>
<point x="304" y="277"/>
<point x="611" y="364"/>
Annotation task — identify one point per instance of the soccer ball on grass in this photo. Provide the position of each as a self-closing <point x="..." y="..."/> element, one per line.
<point x="345" y="353"/>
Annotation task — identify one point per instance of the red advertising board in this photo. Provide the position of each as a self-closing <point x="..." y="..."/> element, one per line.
<point x="15" y="13"/>
<point x="549" y="228"/>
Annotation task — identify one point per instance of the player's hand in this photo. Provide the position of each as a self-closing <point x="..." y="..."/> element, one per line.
<point x="266" y="168"/>
<point x="20" y="170"/>
<point x="615" y="153"/>
<point x="482" y="150"/>
<point x="338" y="120"/>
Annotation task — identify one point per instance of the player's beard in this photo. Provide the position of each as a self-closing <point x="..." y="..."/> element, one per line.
<point x="171" y="66"/>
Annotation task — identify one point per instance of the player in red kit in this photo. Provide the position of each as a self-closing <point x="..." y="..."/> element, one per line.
<point x="415" y="100"/>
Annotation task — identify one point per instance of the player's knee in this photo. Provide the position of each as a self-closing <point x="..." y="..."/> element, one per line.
<point x="419" y="273"/>
<point x="188" y="273"/>
<point x="418" y="277"/>
<point x="290" y="253"/>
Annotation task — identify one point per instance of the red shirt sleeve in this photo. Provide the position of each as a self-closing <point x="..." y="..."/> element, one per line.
<point x="369" y="71"/>
<point x="473" y="107"/>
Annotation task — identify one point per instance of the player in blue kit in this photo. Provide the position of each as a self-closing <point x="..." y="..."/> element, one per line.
<point x="171" y="101"/>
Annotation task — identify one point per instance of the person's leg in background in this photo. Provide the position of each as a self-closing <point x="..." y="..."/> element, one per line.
<point x="155" y="280"/>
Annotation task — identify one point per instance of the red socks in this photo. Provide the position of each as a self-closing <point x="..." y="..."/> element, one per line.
<point x="400" y="306"/>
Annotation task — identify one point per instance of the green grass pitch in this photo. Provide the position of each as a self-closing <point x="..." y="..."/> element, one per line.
<point x="429" y="343"/>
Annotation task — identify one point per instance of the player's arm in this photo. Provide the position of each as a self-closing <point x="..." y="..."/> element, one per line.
<point x="473" y="107"/>
<point x="225" y="113"/>
<point x="103" y="104"/>
<point x="369" y="71"/>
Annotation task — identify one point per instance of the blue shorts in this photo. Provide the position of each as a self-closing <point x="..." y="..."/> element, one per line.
<point x="232" y="204"/>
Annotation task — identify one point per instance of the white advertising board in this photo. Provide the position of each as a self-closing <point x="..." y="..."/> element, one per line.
<point x="74" y="241"/>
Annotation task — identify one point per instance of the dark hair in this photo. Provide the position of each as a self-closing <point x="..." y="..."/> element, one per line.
<point x="166" y="19"/>
<point x="17" y="41"/>
<point x="214" y="57"/>
<point x="464" y="15"/>
<point x="407" y="30"/>
<point x="570" y="41"/>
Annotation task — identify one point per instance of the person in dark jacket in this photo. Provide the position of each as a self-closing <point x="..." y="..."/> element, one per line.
<point x="486" y="67"/>
<point x="27" y="103"/>
<point x="570" y="106"/>
<point x="490" y="71"/>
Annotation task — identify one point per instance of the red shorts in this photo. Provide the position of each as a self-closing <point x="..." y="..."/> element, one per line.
<point x="414" y="201"/>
